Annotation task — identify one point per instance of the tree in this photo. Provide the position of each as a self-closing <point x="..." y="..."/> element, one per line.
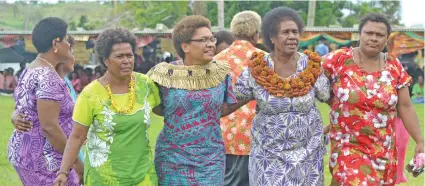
<point x="83" y="21"/>
<point x="15" y="10"/>
<point x="146" y="14"/>
<point x="361" y="8"/>
<point x="72" y="25"/>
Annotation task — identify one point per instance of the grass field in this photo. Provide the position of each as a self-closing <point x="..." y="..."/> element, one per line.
<point x="8" y="175"/>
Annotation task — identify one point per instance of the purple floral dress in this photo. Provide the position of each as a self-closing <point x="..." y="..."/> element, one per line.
<point x="31" y="154"/>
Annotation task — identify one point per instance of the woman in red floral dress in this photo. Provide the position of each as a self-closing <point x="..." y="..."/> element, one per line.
<point x="369" y="87"/>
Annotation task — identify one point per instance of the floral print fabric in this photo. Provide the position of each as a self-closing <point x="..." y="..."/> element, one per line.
<point x="236" y="127"/>
<point x="363" y="113"/>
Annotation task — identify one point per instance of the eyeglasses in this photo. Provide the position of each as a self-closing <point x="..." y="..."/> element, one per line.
<point x="204" y="40"/>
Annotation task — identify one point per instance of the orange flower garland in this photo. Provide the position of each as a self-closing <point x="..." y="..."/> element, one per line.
<point x="132" y="98"/>
<point x="285" y="87"/>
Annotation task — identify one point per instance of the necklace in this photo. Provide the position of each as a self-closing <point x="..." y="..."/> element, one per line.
<point x="46" y="62"/>
<point x="131" y="97"/>
<point x="285" y="87"/>
<point x="361" y="61"/>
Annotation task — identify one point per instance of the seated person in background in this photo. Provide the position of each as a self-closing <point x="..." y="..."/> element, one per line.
<point x="418" y="90"/>
<point x="10" y="80"/>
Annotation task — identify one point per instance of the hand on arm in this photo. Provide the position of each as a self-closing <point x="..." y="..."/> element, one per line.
<point x="21" y="124"/>
<point x="228" y="109"/>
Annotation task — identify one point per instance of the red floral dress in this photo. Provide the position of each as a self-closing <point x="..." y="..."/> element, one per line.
<point x="363" y="112"/>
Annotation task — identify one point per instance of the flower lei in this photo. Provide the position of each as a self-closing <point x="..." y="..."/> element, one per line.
<point x="285" y="87"/>
<point x="132" y="97"/>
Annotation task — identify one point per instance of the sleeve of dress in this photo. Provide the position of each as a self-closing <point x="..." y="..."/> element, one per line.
<point x="243" y="86"/>
<point x="154" y="97"/>
<point x="322" y="88"/>
<point x="403" y="79"/>
<point x="229" y="95"/>
<point x="51" y="87"/>
<point x="328" y="65"/>
<point x="83" y="112"/>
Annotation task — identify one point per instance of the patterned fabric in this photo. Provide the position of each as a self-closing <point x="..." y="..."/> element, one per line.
<point x="31" y="152"/>
<point x="117" y="150"/>
<point x="44" y="177"/>
<point x="236" y="128"/>
<point x="287" y="146"/>
<point x="190" y="149"/>
<point x="363" y="113"/>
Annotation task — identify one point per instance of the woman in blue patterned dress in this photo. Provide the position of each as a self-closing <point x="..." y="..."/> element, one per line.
<point x="287" y="146"/>
<point x="190" y="149"/>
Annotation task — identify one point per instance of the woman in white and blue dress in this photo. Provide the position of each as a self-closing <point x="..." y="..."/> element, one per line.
<point x="287" y="138"/>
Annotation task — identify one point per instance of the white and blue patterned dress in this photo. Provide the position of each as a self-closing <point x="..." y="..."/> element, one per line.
<point x="287" y="138"/>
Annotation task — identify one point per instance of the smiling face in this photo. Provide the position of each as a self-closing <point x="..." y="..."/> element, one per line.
<point x="287" y="38"/>
<point x="201" y="48"/>
<point x="120" y="62"/>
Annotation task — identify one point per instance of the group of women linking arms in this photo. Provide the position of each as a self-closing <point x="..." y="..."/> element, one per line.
<point x="366" y="88"/>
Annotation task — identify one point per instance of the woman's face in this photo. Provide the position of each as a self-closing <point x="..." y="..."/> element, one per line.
<point x="120" y="62"/>
<point x="201" y="47"/>
<point x="69" y="64"/>
<point x="222" y="46"/>
<point x="373" y="38"/>
<point x="287" y="38"/>
<point x="62" y="48"/>
<point x="74" y="75"/>
<point x="420" y="79"/>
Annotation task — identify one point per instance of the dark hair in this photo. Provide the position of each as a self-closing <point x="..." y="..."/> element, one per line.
<point x="224" y="36"/>
<point x="377" y="18"/>
<point x="185" y="29"/>
<point x="71" y="41"/>
<point x="271" y="23"/>
<point x="108" y="38"/>
<point x="47" y="30"/>
<point x="75" y="74"/>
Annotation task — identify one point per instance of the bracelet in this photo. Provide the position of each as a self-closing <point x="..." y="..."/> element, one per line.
<point x="62" y="172"/>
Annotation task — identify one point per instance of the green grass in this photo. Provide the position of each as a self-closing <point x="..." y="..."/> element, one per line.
<point x="8" y="175"/>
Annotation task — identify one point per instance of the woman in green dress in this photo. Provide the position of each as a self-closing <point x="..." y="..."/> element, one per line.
<point x="114" y="112"/>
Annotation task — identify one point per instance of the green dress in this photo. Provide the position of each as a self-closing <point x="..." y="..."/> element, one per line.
<point x="118" y="150"/>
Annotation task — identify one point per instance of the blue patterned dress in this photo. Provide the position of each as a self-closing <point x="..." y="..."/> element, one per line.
<point x="287" y="146"/>
<point x="190" y="149"/>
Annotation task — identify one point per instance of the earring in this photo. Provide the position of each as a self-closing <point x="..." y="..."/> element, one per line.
<point x="56" y="50"/>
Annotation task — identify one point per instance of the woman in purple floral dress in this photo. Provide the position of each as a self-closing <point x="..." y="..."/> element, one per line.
<point x="43" y="97"/>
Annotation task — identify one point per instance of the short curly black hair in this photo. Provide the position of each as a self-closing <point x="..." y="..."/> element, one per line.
<point x="108" y="38"/>
<point x="185" y="29"/>
<point x="47" y="30"/>
<point x="271" y="23"/>
<point x="224" y="36"/>
<point x="377" y="18"/>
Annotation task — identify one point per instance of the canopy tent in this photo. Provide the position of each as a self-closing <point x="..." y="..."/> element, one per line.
<point x="7" y="55"/>
<point x="309" y="38"/>
<point x="404" y="42"/>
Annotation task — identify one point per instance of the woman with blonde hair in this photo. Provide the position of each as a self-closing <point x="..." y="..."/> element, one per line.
<point x="236" y="128"/>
